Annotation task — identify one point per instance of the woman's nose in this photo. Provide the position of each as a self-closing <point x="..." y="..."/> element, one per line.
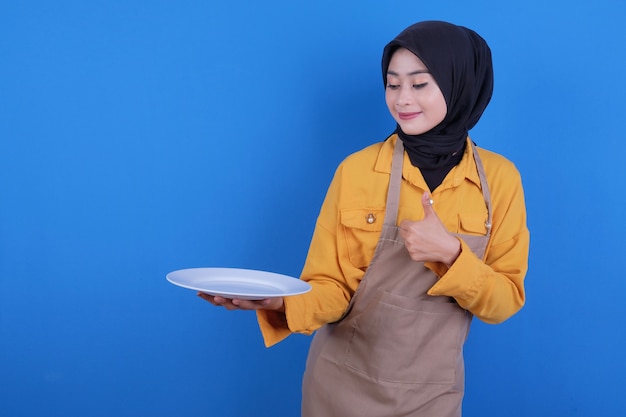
<point x="404" y="96"/>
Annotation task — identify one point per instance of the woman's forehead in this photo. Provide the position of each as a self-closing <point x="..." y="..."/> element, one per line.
<point x="405" y="62"/>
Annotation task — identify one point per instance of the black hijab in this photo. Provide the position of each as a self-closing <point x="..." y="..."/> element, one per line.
<point x="460" y="62"/>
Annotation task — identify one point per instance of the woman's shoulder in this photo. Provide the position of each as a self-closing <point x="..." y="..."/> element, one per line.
<point x="501" y="172"/>
<point x="367" y="156"/>
<point x="495" y="161"/>
<point x="357" y="182"/>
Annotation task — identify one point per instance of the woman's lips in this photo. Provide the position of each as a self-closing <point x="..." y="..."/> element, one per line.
<point x="409" y="116"/>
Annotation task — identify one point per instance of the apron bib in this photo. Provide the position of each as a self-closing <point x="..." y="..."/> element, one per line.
<point x="397" y="351"/>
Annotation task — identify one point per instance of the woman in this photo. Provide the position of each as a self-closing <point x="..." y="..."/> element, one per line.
<point x="417" y="235"/>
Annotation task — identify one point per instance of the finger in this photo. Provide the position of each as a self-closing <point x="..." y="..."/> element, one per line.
<point x="248" y="304"/>
<point x="406" y="225"/>
<point x="219" y="300"/>
<point x="427" y="203"/>
<point x="404" y="228"/>
<point x="206" y="297"/>
<point x="239" y="304"/>
<point x="227" y="303"/>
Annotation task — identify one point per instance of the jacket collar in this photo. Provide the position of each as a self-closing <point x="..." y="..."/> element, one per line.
<point x="466" y="169"/>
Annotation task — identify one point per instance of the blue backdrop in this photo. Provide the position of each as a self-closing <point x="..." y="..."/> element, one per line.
<point x="140" y="137"/>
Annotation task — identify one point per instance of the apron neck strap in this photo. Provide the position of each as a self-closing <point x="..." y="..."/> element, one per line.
<point x="484" y="186"/>
<point x="393" y="193"/>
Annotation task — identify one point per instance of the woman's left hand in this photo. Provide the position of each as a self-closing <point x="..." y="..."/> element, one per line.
<point x="428" y="240"/>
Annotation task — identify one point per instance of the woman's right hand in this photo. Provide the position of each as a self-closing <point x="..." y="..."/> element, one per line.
<point x="428" y="240"/>
<point x="274" y="304"/>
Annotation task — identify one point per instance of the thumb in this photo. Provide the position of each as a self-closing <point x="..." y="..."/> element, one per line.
<point x="427" y="203"/>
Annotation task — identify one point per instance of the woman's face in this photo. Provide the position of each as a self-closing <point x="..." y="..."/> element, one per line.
<point x="412" y="95"/>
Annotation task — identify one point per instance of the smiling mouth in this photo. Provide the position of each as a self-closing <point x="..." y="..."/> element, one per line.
<point x="408" y="116"/>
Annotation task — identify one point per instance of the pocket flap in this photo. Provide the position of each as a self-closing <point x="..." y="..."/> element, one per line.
<point x="370" y="220"/>
<point x="473" y="223"/>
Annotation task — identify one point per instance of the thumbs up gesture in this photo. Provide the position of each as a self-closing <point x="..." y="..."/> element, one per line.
<point x="428" y="240"/>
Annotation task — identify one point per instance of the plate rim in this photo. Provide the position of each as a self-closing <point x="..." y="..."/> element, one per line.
<point x="304" y="286"/>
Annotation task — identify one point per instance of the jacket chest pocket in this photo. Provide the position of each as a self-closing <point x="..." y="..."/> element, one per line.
<point x="361" y="230"/>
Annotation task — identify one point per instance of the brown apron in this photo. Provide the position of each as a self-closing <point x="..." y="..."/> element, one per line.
<point x="397" y="351"/>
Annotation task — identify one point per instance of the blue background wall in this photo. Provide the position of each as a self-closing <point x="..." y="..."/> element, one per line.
<point x="140" y="137"/>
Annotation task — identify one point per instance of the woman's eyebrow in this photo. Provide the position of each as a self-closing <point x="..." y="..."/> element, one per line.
<point x="410" y="73"/>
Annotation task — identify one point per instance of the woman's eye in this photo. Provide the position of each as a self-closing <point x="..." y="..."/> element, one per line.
<point x="418" y="86"/>
<point x="392" y="86"/>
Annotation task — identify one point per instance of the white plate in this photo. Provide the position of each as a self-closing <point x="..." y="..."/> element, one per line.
<point x="244" y="284"/>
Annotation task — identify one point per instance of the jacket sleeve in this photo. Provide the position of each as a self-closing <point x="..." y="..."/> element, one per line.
<point x="493" y="289"/>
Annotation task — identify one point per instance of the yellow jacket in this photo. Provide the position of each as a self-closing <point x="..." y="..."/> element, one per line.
<point x="344" y="240"/>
